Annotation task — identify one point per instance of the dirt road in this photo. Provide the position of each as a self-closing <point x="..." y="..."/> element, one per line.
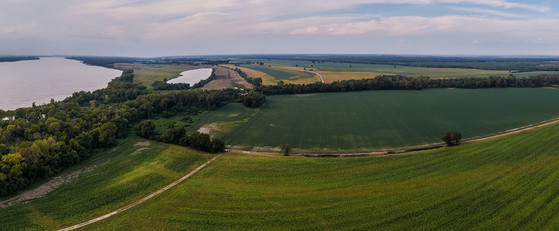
<point x="226" y="78"/>
<point x="416" y="148"/>
<point x="141" y="200"/>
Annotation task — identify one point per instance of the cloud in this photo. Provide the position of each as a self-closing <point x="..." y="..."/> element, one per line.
<point x="417" y="25"/>
<point x="169" y="24"/>
<point x="489" y="12"/>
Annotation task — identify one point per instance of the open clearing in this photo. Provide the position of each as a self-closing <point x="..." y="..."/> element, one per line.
<point x="226" y="78"/>
<point x="343" y="71"/>
<point x="118" y="179"/>
<point x="285" y="74"/>
<point x="378" y="120"/>
<point x="503" y="184"/>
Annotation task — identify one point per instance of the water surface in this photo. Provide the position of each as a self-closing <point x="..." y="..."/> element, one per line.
<point x="25" y="82"/>
<point x="192" y="76"/>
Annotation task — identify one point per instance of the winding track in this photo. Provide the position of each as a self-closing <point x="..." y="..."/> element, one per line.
<point x="141" y="200"/>
<point x="508" y="133"/>
<point x="316" y="73"/>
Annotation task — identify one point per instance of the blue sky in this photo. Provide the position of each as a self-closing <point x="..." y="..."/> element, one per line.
<point x="199" y="27"/>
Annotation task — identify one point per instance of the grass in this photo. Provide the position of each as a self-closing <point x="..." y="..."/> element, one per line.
<point x="184" y="119"/>
<point x="272" y="75"/>
<point x="342" y="71"/>
<point x="148" y="74"/>
<point x="119" y="179"/>
<point x="503" y="184"/>
<point x="378" y="120"/>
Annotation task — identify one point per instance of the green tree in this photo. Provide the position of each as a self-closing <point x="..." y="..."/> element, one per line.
<point x="254" y="99"/>
<point x="146" y="129"/>
<point x="107" y="134"/>
<point x="286" y="148"/>
<point x="452" y="138"/>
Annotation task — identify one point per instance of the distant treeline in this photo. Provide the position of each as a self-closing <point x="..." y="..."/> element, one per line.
<point x="17" y="58"/>
<point x="110" y="61"/>
<point x="104" y="61"/>
<point x="397" y="82"/>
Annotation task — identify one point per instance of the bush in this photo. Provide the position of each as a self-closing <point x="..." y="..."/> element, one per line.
<point x="146" y="129"/>
<point x="254" y="99"/>
<point x="452" y="138"/>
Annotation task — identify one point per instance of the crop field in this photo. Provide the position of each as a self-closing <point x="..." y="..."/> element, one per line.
<point x="343" y="71"/>
<point x="377" y="120"/>
<point x="283" y="74"/>
<point x="503" y="184"/>
<point x="115" y="177"/>
<point x="147" y="74"/>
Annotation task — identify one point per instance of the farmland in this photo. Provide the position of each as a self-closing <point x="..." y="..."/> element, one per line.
<point x="287" y="75"/>
<point x="377" y="120"/>
<point x="148" y="74"/>
<point x="342" y="71"/>
<point x="503" y="184"/>
<point x="116" y="177"/>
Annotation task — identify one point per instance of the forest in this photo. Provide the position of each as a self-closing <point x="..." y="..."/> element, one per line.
<point x="38" y="142"/>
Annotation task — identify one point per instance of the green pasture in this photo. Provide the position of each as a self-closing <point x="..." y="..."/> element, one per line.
<point x="282" y="73"/>
<point x="378" y="120"/>
<point x="377" y="69"/>
<point x="509" y="183"/>
<point x="118" y="177"/>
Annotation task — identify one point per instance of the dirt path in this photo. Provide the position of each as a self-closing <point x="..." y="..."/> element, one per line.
<point x="141" y="200"/>
<point x="313" y="72"/>
<point x="416" y="148"/>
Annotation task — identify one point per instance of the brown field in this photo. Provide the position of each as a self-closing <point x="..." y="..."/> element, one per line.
<point x="226" y="78"/>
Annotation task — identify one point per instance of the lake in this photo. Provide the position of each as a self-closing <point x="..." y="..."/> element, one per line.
<point x="25" y="82"/>
<point x="192" y="76"/>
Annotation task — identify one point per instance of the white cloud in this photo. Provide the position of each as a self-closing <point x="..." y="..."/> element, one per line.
<point x="168" y="23"/>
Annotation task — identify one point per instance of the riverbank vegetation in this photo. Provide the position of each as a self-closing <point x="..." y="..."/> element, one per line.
<point x="40" y="141"/>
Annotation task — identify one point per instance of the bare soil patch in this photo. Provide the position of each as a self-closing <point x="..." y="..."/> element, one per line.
<point x="47" y="187"/>
<point x="138" y="151"/>
<point x="304" y="95"/>
<point x="143" y="143"/>
<point x="226" y="78"/>
<point x="204" y="130"/>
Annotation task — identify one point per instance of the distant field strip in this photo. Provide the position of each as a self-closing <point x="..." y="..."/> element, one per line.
<point x="287" y="75"/>
<point x="378" y="120"/>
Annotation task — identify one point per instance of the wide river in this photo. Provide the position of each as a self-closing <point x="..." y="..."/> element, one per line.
<point x="25" y="82"/>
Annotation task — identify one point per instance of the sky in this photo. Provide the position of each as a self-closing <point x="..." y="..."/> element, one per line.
<point x="153" y="28"/>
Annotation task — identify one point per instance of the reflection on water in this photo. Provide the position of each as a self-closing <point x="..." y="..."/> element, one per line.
<point x="192" y="76"/>
<point x="25" y="82"/>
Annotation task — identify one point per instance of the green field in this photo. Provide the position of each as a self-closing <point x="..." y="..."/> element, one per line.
<point x="118" y="177"/>
<point x="504" y="184"/>
<point x="378" y="120"/>
<point x="148" y="74"/>
<point x="377" y="69"/>
<point x="284" y="74"/>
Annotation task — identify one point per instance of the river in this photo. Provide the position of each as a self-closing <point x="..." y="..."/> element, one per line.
<point x="25" y="82"/>
<point x="192" y="76"/>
